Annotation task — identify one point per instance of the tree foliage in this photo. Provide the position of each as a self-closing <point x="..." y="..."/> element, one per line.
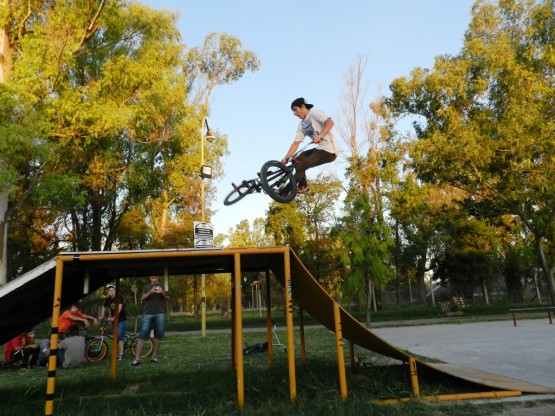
<point x="101" y="130"/>
<point x="484" y="118"/>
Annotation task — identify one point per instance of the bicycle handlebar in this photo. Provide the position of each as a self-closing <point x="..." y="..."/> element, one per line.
<point x="299" y="151"/>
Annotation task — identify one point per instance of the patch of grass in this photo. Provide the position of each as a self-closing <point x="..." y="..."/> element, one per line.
<point x="195" y="377"/>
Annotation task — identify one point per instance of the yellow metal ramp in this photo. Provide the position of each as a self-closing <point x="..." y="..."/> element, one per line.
<point x="314" y="300"/>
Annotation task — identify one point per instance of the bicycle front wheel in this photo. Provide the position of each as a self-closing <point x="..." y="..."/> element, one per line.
<point x="147" y="348"/>
<point x="96" y="350"/>
<point x="278" y="181"/>
<point x="238" y="193"/>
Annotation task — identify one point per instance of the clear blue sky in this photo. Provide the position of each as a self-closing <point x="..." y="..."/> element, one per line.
<point x="305" y="47"/>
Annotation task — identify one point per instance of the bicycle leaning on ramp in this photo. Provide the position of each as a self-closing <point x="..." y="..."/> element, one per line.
<point x="96" y="348"/>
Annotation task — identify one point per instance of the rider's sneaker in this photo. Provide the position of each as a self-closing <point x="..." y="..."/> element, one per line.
<point x="285" y="191"/>
<point x="120" y="357"/>
<point x="154" y="360"/>
<point x="135" y="363"/>
<point x="303" y="190"/>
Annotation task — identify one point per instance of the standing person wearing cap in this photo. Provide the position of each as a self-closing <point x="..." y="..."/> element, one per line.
<point x="316" y="125"/>
<point x="110" y="304"/>
<point x="154" y="316"/>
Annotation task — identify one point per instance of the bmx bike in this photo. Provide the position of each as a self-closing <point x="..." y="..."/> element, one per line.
<point x="96" y="348"/>
<point x="276" y="179"/>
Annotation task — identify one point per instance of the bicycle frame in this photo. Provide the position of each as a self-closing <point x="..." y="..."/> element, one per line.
<point x="96" y="348"/>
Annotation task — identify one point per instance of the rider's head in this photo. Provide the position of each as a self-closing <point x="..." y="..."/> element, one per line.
<point x="111" y="290"/>
<point x="300" y="107"/>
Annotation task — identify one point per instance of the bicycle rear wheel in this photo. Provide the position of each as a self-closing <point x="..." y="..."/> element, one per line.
<point x="238" y="193"/>
<point x="147" y="348"/>
<point x="278" y="181"/>
<point x="96" y="350"/>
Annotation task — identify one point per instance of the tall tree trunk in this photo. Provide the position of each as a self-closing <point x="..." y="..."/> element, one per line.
<point x="547" y="271"/>
<point x="369" y="297"/>
<point x="420" y="275"/>
<point x="5" y="67"/>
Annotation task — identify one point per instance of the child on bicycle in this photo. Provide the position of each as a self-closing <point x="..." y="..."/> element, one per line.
<point x="110" y="304"/>
<point x="316" y="125"/>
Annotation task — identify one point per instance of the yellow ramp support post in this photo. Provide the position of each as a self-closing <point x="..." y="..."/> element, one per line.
<point x="238" y="330"/>
<point x="414" y="377"/>
<point x="340" y="351"/>
<point x="289" y="320"/>
<point x="115" y="330"/>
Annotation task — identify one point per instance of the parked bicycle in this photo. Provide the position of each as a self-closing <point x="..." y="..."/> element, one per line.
<point x="275" y="179"/>
<point x="96" y="348"/>
<point x="263" y="346"/>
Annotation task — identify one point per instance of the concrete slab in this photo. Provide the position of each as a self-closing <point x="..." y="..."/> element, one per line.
<point x="525" y="352"/>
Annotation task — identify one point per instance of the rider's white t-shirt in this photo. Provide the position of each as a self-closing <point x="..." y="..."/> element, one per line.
<point x="311" y="126"/>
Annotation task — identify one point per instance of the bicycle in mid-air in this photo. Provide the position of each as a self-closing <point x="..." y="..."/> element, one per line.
<point x="276" y="179"/>
<point x="96" y="348"/>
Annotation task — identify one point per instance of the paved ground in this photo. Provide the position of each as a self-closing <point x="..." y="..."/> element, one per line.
<point x="525" y="352"/>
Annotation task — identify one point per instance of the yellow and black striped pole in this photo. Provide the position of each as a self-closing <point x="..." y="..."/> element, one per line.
<point x="52" y="359"/>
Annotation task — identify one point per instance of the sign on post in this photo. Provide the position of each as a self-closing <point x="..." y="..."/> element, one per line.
<point x="203" y="234"/>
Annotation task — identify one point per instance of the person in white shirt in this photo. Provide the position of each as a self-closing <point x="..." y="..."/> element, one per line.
<point x="317" y="125"/>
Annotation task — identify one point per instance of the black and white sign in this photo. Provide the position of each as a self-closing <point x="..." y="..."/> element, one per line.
<point x="204" y="234"/>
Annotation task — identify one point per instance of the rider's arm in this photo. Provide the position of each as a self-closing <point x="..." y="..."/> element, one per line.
<point x="292" y="149"/>
<point x="328" y="124"/>
<point x="102" y="312"/>
<point x="92" y="318"/>
<point x="147" y="294"/>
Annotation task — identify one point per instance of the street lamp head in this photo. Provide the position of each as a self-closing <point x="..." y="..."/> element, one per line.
<point x="209" y="136"/>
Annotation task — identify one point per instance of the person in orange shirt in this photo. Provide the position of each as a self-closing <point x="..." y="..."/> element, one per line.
<point x="72" y="317"/>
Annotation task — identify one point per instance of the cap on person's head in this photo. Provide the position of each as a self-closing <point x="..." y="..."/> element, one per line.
<point x="109" y="286"/>
<point x="300" y="102"/>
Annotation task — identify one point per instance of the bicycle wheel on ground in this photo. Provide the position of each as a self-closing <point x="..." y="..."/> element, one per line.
<point x="147" y="348"/>
<point x="278" y="181"/>
<point x="95" y="350"/>
<point x="238" y="193"/>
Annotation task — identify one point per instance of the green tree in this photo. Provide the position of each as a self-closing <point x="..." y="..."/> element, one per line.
<point x="99" y="124"/>
<point x="320" y="251"/>
<point x="286" y="225"/>
<point x="37" y="38"/>
<point x="246" y="236"/>
<point x="484" y="118"/>
<point x="364" y="231"/>
<point x="366" y="249"/>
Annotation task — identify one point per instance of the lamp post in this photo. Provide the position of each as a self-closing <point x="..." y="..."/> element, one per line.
<point x="205" y="173"/>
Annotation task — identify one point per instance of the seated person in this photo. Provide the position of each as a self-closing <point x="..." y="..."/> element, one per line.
<point x="72" y="349"/>
<point x="44" y="354"/>
<point x="22" y="349"/>
<point x="71" y="317"/>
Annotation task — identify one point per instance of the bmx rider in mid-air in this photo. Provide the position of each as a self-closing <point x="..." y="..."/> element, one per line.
<point x="317" y="125"/>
